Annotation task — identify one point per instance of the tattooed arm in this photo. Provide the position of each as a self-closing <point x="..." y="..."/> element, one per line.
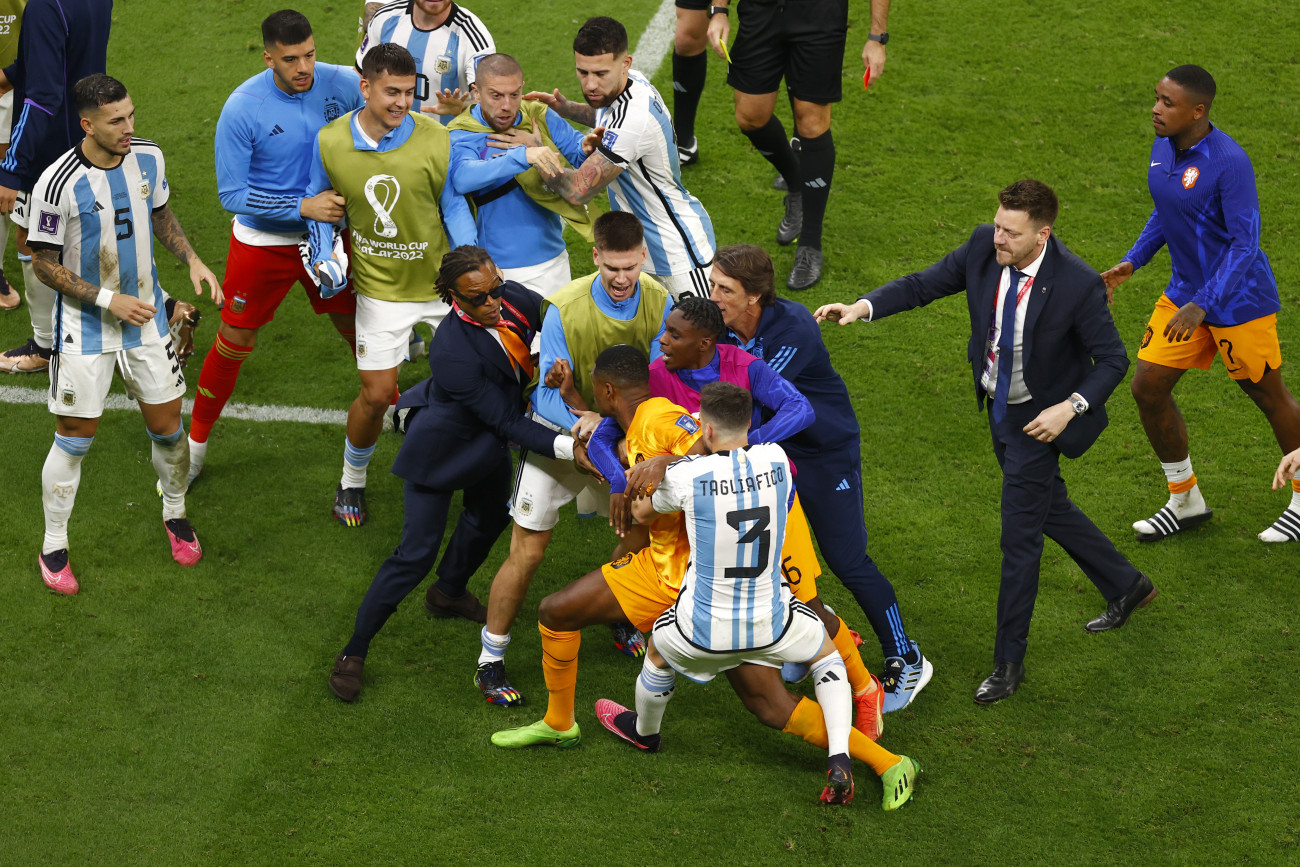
<point x="167" y="228"/>
<point x="579" y="186"/>
<point x="50" y="271"/>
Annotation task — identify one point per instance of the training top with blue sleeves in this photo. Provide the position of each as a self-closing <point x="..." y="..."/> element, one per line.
<point x="1207" y="214"/>
<point x="546" y="401"/>
<point x="446" y="57"/>
<point x="790" y="341"/>
<point x="736" y="505"/>
<point x="639" y="139"/>
<point x="101" y="222"/>
<point x="264" y="144"/>
<point x="61" y="42"/>
<point x="516" y="231"/>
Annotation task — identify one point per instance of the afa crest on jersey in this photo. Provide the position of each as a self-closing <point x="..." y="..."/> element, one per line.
<point x="144" y="189"/>
<point x="332" y="111"/>
<point x="443" y="64"/>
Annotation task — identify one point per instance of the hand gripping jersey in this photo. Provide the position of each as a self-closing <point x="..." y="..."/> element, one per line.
<point x="660" y="427"/>
<point x="101" y="221"/>
<point x="639" y="138"/>
<point x="736" y="504"/>
<point x="445" y="57"/>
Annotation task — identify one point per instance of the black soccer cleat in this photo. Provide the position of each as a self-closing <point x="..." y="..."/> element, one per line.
<point x="350" y="506"/>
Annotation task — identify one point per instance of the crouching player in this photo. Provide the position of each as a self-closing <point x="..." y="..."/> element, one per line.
<point x="98" y="208"/>
<point x="735" y="615"/>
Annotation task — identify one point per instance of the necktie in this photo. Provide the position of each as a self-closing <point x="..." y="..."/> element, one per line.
<point x="515" y="348"/>
<point x="1006" y="347"/>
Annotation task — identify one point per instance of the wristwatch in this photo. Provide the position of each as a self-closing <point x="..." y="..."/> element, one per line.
<point x="1079" y="404"/>
<point x="714" y="10"/>
<point x="882" y="38"/>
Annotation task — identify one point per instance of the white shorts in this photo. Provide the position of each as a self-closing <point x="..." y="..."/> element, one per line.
<point x="691" y="283"/>
<point x="384" y="329"/>
<point x="545" y="277"/>
<point x="543" y="485"/>
<point x="6" y="116"/>
<point x="801" y="643"/>
<point x="79" y="383"/>
<point x="21" y="205"/>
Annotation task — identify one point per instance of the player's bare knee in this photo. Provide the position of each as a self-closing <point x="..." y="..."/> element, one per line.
<point x="245" y="338"/>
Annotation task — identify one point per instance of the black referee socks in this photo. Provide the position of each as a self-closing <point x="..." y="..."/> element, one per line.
<point x="689" y="75"/>
<point x="817" y="160"/>
<point x="770" y="141"/>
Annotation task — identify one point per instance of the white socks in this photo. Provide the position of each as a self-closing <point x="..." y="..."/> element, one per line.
<point x="654" y="688"/>
<point x="355" y="462"/>
<point x="171" y="460"/>
<point x="198" y="453"/>
<point x="59" y="480"/>
<point x="831" y="684"/>
<point x="494" y="646"/>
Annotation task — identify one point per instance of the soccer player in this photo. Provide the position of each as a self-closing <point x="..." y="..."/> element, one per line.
<point x="447" y="42"/>
<point x="636" y="587"/>
<point x="98" y="208"/>
<point x="636" y="158"/>
<point x="61" y="42"/>
<point x="389" y="165"/>
<point x="1222" y="296"/>
<point x="263" y="151"/>
<point x="828" y="453"/>
<point x="615" y="305"/>
<point x="804" y="44"/>
<point x="500" y="149"/>
<point x="691" y="359"/>
<point x="735" y="613"/>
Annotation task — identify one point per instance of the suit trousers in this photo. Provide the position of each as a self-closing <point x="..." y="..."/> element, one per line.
<point x="1035" y="503"/>
<point x="484" y="515"/>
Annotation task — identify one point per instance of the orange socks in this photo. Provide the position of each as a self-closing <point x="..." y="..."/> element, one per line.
<point x="807" y="722"/>
<point x="560" y="666"/>
<point x="859" y="677"/>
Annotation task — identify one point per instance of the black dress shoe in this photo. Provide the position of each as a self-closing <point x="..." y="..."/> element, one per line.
<point x="1004" y="680"/>
<point x="1118" y="612"/>
<point x="465" y="605"/>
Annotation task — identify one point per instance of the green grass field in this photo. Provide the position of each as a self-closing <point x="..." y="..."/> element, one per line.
<point x="168" y="715"/>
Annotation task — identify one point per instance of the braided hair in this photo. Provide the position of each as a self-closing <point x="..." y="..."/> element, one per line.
<point x="457" y="264"/>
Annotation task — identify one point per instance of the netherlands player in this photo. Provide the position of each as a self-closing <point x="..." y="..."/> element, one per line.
<point x="263" y="147"/>
<point x="735" y="613"/>
<point x="636" y="159"/>
<point x="1222" y="296"/>
<point x="98" y="207"/>
<point x="616" y="305"/>
<point x="447" y="42"/>
<point x="389" y="165"/>
<point x="635" y="588"/>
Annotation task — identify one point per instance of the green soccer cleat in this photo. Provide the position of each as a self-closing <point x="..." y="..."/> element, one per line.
<point x="539" y="734"/>
<point x="899" y="781"/>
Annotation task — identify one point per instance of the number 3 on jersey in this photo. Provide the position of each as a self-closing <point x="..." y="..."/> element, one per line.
<point x="758" y="533"/>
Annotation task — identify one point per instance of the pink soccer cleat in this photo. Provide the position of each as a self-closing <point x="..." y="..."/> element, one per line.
<point x="56" y="572"/>
<point x="186" y="549"/>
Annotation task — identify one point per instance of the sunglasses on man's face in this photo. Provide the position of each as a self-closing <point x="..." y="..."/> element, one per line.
<point x="478" y="299"/>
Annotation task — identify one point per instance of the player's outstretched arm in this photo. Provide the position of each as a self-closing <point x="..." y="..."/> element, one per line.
<point x="579" y="186"/>
<point x="50" y="271"/>
<point x="1287" y="470"/>
<point x="579" y="112"/>
<point x="167" y="228"/>
<point x="843" y="313"/>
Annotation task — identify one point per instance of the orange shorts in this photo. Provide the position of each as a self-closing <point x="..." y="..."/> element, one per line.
<point x="1248" y="349"/>
<point x="640" y="592"/>
<point x="799" y="564"/>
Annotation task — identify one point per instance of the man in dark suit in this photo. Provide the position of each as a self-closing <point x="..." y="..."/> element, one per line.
<point x="459" y="427"/>
<point x="1045" y="356"/>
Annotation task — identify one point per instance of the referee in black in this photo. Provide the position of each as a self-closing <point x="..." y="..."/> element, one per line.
<point x="802" y="41"/>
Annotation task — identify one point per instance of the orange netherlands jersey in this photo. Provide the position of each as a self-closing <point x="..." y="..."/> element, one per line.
<point x="661" y="427"/>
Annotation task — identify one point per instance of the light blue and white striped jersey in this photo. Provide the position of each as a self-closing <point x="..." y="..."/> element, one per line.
<point x="101" y="222"/>
<point x="639" y="138"/>
<point x="736" y="506"/>
<point x="445" y="56"/>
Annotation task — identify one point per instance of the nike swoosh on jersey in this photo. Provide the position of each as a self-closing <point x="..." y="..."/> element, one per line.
<point x="1153" y="165"/>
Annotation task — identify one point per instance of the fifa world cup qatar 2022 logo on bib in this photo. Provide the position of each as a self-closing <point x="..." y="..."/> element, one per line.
<point x="382" y="192"/>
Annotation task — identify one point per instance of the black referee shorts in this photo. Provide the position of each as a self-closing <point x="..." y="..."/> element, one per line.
<point x="698" y="5"/>
<point x="800" y="40"/>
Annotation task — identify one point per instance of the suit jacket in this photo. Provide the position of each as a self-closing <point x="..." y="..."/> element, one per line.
<point x="1070" y="340"/>
<point x="467" y="413"/>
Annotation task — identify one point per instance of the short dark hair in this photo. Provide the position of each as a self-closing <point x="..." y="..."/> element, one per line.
<point x="600" y="35"/>
<point x="1033" y="197"/>
<point x="96" y="90"/>
<point x="286" y="27"/>
<point x="727" y="406"/>
<point x="703" y="314"/>
<point x="618" y="232"/>
<point x="1194" y="79"/>
<point x="387" y="57"/>
<point x="751" y="267"/>
<point x="623" y="365"/>
<point x="457" y="264"/>
<point x="502" y="65"/>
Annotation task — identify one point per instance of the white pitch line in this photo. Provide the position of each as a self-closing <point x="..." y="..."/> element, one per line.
<point x="246" y="411"/>
<point x="656" y="40"/>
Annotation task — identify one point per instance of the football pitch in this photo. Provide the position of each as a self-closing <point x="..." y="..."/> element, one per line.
<point x="167" y="715"/>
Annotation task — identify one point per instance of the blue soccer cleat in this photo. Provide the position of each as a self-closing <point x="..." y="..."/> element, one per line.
<point x="902" y="681"/>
